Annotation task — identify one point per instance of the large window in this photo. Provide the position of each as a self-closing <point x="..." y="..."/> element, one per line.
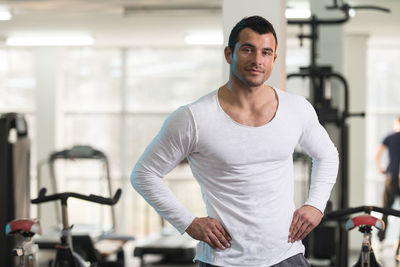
<point x="383" y="107"/>
<point x="383" y="98"/>
<point x="18" y="85"/>
<point x="116" y="101"/>
<point x="17" y="80"/>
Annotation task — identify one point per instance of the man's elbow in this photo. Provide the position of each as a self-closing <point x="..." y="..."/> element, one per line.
<point x="331" y="155"/>
<point x="135" y="179"/>
<point x="142" y="179"/>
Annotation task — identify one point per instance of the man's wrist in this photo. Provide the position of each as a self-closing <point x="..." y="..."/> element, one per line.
<point x="309" y="205"/>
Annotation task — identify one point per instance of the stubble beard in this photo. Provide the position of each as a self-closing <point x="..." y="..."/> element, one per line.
<point x="248" y="81"/>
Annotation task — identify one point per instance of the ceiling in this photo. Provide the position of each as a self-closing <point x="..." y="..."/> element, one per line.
<point x="122" y="22"/>
<point x="116" y="22"/>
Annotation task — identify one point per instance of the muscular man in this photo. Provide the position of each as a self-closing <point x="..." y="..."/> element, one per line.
<point x="239" y="141"/>
<point x="391" y="143"/>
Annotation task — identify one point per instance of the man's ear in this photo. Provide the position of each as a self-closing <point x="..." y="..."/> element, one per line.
<point x="275" y="56"/>
<point x="228" y="54"/>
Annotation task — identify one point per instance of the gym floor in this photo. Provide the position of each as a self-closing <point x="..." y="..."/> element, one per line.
<point x="385" y="255"/>
<point x="385" y="251"/>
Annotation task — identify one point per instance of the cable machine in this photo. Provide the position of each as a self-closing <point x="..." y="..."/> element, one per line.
<point x="321" y="77"/>
<point x="14" y="179"/>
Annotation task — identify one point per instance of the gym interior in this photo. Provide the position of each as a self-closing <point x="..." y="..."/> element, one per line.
<point x="86" y="85"/>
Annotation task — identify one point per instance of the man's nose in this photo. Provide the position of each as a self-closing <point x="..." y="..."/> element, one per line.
<point x="257" y="58"/>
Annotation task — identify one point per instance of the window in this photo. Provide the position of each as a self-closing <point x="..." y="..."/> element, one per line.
<point x="116" y="101"/>
<point x="383" y="98"/>
<point x="17" y="88"/>
<point x="17" y="80"/>
<point x="299" y="56"/>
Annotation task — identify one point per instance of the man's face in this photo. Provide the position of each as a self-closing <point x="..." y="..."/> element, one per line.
<point x="253" y="58"/>
<point x="396" y="126"/>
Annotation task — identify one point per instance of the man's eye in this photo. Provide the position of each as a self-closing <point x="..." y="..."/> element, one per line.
<point x="247" y="50"/>
<point x="267" y="53"/>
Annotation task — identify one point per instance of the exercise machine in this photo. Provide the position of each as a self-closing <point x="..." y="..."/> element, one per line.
<point x="28" y="251"/>
<point x="14" y="179"/>
<point x="364" y="222"/>
<point x="87" y="239"/>
<point x="65" y="254"/>
<point x="74" y="154"/>
<point x="321" y="88"/>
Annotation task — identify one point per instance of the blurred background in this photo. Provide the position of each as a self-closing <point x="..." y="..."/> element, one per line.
<point x="107" y="73"/>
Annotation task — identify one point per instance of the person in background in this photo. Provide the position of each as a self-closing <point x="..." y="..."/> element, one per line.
<point x="239" y="142"/>
<point x="391" y="144"/>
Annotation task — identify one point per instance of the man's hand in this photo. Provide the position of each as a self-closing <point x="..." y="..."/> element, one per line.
<point x="378" y="154"/>
<point x="210" y="231"/>
<point x="304" y="220"/>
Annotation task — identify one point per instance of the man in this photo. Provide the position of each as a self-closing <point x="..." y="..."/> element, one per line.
<point x="239" y="142"/>
<point x="391" y="143"/>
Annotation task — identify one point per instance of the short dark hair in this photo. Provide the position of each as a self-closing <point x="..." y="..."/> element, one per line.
<point x="257" y="24"/>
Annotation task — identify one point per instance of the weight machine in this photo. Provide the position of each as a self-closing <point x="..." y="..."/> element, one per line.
<point x="14" y="178"/>
<point x="320" y="77"/>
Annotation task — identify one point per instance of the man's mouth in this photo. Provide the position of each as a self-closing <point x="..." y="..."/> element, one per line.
<point x="257" y="71"/>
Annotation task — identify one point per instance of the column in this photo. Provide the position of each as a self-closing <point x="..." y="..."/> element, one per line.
<point x="355" y="70"/>
<point x="46" y="59"/>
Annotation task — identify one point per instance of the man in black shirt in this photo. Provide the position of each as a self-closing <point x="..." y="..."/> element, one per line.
<point x="392" y="144"/>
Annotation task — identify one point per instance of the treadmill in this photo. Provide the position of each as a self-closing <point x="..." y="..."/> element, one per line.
<point x="93" y="241"/>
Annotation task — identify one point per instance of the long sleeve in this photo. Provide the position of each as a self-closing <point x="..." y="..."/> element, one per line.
<point x="325" y="161"/>
<point x="173" y="143"/>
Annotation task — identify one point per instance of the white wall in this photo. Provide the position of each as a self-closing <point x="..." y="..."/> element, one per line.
<point x="355" y="70"/>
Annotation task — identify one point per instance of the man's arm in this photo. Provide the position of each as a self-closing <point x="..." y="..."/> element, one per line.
<point x="174" y="142"/>
<point x="316" y="143"/>
<point x="378" y="154"/>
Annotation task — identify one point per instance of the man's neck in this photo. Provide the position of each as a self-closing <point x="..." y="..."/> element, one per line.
<point x="246" y="97"/>
<point x="254" y="107"/>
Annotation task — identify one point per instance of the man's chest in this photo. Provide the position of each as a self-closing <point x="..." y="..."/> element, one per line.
<point x="239" y="144"/>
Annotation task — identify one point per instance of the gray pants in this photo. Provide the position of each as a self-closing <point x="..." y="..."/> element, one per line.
<point x="296" y="260"/>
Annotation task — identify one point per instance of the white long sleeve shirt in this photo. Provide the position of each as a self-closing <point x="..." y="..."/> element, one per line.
<point x="245" y="174"/>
